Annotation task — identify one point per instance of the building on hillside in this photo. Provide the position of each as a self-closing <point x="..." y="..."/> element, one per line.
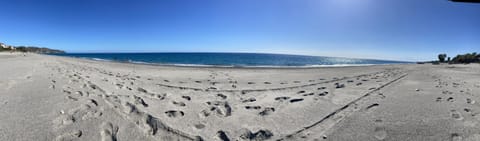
<point x="7" y="46"/>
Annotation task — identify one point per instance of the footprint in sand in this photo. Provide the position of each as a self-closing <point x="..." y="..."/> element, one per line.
<point x="222" y="96"/>
<point x="309" y="94"/>
<point x="129" y="108"/>
<point x="139" y="101"/>
<point x="211" y="88"/>
<point x="257" y="136"/>
<point x="470" y="101"/>
<point x="93" y="86"/>
<point x="204" y="113"/>
<point x="296" y="100"/>
<point x="450" y="99"/>
<point x="267" y="111"/>
<point x="142" y="90"/>
<point x="72" y="98"/>
<point x="161" y="96"/>
<point x="79" y="93"/>
<point x="174" y="113"/>
<point x="222" y="136"/>
<point x="447" y="92"/>
<point x="323" y="94"/>
<point x="321" y="88"/>
<point x="439" y="99"/>
<point x="91" y="114"/>
<point x="372" y="107"/>
<point x="108" y="132"/>
<point x="249" y="100"/>
<point x="65" y="120"/>
<point x="382" y="95"/>
<point x="220" y="108"/>
<point x="118" y="86"/>
<point x="187" y="97"/>
<point x="456" y="115"/>
<point x="199" y="126"/>
<point x="69" y="136"/>
<point x="181" y="104"/>
<point x="94" y="102"/>
<point x="253" y="107"/>
<point x="455" y="137"/>
<point x="380" y="133"/>
<point x="67" y="91"/>
<point x="282" y="98"/>
<point x="338" y="85"/>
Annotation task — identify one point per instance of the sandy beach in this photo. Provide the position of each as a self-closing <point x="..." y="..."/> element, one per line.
<point x="58" y="98"/>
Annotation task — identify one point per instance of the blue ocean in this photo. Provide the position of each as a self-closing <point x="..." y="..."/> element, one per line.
<point x="229" y="59"/>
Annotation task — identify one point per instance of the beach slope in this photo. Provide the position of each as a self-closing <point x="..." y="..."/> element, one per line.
<point x="58" y="98"/>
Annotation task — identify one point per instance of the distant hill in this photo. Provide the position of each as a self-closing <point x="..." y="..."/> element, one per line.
<point x="37" y="49"/>
<point x="5" y="47"/>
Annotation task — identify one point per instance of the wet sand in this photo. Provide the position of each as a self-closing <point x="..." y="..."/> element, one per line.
<point x="58" y="98"/>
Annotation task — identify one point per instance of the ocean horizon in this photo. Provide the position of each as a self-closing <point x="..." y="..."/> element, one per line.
<point x="230" y="59"/>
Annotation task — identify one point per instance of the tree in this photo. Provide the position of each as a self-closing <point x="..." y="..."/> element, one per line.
<point x="4" y="49"/>
<point x="466" y="58"/>
<point x="448" y="59"/>
<point x="441" y="57"/>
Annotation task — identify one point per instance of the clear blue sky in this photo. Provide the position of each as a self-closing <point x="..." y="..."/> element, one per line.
<point x="380" y="29"/>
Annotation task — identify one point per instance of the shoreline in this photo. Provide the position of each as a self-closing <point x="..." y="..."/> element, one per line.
<point x="230" y="66"/>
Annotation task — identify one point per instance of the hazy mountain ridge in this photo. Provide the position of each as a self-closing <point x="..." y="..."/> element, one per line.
<point x="34" y="49"/>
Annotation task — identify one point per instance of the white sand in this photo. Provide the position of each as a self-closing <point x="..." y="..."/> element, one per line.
<point x="57" y="98"/>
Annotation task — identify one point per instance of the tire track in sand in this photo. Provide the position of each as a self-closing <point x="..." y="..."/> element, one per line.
<point x="341" y="109"/>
